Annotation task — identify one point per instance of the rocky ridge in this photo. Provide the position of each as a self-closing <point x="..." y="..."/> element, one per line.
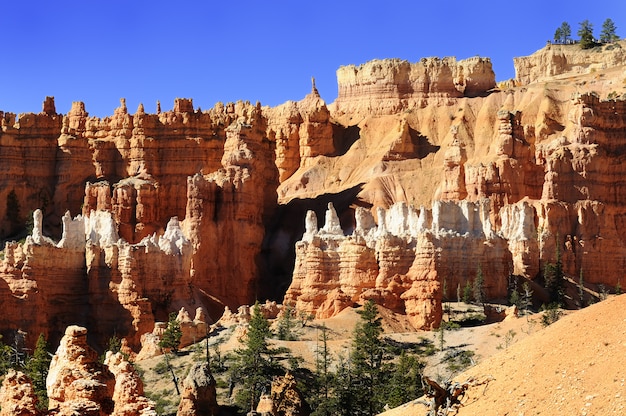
<point x="190" y="208"/>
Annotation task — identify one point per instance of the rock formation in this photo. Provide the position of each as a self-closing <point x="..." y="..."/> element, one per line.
<point x="390" y="86"/>
<point x="555" y="60"/>
<point x="284" y="399"/>
<point x="401" y="263"/>
<point x="17" y="395"/>
<point x="188" y="208"/>
<point x="128" y="394"/>
<point x="198" y="396"/>
<point x="77" y="383"/>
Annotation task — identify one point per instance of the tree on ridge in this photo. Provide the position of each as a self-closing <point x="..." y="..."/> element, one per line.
<point x="563" y="33"/>
<point x="585" y="32"/>
<point x="608" y="32"/>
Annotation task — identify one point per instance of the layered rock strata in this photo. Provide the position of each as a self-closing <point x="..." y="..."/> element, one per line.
<point x="404" y="262"/>
<point x="555" y="60"/>
<point x="390" y="86"/>
<point x="510" y="176"/>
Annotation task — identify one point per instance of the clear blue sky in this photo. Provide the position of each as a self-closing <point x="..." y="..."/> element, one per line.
<point x="100" y="51"/>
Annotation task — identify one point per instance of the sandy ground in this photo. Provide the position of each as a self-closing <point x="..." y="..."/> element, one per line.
<point x="576" y="366"/>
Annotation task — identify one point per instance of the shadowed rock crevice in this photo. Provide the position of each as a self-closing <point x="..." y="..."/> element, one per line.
<point x="287" y="227"/>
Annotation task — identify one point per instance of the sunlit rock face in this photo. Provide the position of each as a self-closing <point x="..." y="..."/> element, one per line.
<point x="434" y="174"/>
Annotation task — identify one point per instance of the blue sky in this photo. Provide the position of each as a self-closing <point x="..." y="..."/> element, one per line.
<point x="144" y="51"/>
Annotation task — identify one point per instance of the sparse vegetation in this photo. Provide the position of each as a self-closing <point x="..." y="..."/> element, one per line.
<point x="508" y="339"/>
<point x="286" y="325"/>
<point x="551" y="314"/>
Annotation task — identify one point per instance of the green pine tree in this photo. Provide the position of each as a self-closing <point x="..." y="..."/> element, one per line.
<point x="554" y="278"/>
<point x="608" y="32"/>
<point x="467" y="292"/>
<point x="324" y="401"/>
<point x="406" y="380"/>
<point x="585" y="32"/>
<point x="172" y="335"/>
<point x="346" y="391"/>
<point x="255" y="365"/>
<point x="37" y="368"/>
<point x="286" y="325"/>
<point x="566" y="32"/>
<point x="478" y="289"/>
<point x="367" y="361"/>
<point x="558" y="35"/>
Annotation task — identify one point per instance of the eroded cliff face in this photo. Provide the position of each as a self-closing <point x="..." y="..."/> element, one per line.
<point x="535" y="161"/>
<point x="435" y="174"/>
<point x="405" y="262"/>
<point x="557" y="60"/>
<point x="391" y="86"/>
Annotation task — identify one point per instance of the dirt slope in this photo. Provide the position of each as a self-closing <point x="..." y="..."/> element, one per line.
<point x="576" y="366"/>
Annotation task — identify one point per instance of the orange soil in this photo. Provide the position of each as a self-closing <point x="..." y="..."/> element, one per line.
<point x="576" y="366"/>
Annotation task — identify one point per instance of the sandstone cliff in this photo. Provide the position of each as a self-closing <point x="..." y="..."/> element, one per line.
<point x="555" y="60"/>
<point x="391" y="86"/>
<point x="189" y="208"/>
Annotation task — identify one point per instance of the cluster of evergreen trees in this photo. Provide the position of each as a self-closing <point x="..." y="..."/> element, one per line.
<point x="34" y="365"/>
<point x="369" y="378"/>
<point x="585" y="32"/>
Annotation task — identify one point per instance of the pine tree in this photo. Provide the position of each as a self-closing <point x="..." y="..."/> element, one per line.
<point x="172" y="335"/>
<point x="37" y="369"/>
<point x="286" y="325"/>
<point x="585" y="32"/>
<point x="368" y="357"/>
<point x="405" y="383"/>
<point x="554" y="277"/>
<point x="478" y="289"/>
<point x="324" y="402"/>
<point x="255" y="367"/>
<point x="467" y="292"/>
<point x="558" y="35"/>
<point x="346" y="391"/>
<point x="608" y="32"/>
<point x="566" y="32"/>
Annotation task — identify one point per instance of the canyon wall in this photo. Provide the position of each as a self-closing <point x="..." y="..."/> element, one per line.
<point x="434" y="175"/>
<point x="391" y="86"/>
<point x="404" y="263"/>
